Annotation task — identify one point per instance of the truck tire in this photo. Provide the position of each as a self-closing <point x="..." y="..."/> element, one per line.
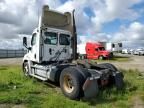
<point x="140" y="54"/>
<point x="111" y="55"/>
<point x="117" y="79"/>
<point x="84" y="64"/>
<point x="26" y="68"/>
<point x="82" y="57"/>
<point x="110" y="66"/>
<point x="71" y="82"/>
<point x="101" y="57"/>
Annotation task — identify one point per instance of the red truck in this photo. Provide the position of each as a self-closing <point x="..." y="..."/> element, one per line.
<point x="96" y="51"/>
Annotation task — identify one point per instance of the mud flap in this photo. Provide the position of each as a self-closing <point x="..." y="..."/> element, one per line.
<point x="119" y="80"/>
<point x="90" y="88"/>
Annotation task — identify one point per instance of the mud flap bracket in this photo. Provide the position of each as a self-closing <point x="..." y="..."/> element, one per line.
<point x="90" y="88"/>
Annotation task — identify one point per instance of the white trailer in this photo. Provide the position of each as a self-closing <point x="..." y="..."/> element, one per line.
<point x="81" y="50"/>
<point x="112" y="46"/>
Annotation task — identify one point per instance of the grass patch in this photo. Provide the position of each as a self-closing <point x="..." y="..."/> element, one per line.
<point x="120" y="58"/>
<point x="15" y="88"/>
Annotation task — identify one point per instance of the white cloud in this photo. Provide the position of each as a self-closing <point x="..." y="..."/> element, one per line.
<point x="131" y="36"/>
<point x="110" y="10"/>
<point x="21" y="17"/>
<point x="10" y="44"/>
<point x="100" y="37"/>
<point x="104" y="11"/>
<point x="135" y="31"/>
<point x="52" y="3"/>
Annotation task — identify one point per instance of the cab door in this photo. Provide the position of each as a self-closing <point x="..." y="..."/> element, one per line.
<point x="50" y="40"/>
<point x="33" y="48"/>
<point x="64" y="46"/>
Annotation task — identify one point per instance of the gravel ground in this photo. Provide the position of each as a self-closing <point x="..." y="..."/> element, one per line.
<point x="136" y="62"/>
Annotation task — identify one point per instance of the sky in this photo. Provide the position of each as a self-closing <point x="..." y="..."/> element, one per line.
<point x="96" y="20"/>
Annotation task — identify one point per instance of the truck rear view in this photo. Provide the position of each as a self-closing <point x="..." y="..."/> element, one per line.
<point x="52" y="56"/>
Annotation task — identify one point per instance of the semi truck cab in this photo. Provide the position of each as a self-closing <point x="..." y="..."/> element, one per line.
<point x="52" y="57"/>
<point x="52" y="39"/>
<point x="53" y="42"/>
<point x="96" y="51"/>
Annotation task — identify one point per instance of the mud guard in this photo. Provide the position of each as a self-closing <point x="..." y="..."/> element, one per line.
<point x="90" y="88"/>
<point x="119" y="80"/>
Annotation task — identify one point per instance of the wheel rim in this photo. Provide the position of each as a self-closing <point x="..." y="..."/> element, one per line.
<point x="68" y="84"/>
<point x="26" y="70"/>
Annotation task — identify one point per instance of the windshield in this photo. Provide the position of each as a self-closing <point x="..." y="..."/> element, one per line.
<point x="101" y="48"/>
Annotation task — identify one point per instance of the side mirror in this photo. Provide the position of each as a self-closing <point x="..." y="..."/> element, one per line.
<point x="24" y="41"/>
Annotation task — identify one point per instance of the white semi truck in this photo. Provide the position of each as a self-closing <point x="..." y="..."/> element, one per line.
<point x="52" y="56"/>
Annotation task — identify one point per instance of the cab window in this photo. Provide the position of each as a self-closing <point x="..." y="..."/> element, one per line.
<point x="96" y="49"/>
<point x="120" y="44"/>
<point x="101" y="48"/>
<point x="64" y="39"/>
<point x="113" y="45"/>
<point x="33" y="41"/>
<point x="51" y="38"/>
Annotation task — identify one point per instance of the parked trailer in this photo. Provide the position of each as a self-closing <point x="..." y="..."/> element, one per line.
<point x="112" y="46"/>
<point x="81" y="51"/>
<point x="52" y="56"/>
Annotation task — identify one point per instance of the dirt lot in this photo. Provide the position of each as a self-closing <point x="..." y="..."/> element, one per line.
<point x="135" y="62"/>
<point x="10" y="61"/>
